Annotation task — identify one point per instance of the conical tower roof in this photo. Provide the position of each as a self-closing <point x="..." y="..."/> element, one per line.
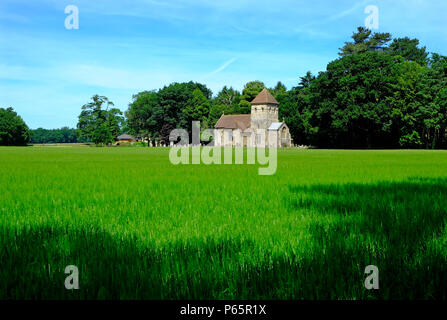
<point x="264" y="97"/>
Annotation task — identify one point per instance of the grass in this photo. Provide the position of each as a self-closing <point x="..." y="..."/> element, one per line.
<point x="138" y="227"/>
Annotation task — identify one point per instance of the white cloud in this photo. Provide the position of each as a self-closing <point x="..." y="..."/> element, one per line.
<point x="223" y="67"/>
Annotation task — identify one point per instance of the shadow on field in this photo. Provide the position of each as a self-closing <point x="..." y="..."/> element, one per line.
<point x="33" y="263"/>
<point x="400" y="227"/>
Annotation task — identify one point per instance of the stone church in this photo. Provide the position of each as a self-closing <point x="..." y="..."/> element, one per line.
<point x="250" y="130"/>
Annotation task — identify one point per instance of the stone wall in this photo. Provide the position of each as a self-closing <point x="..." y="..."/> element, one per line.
<point x="262" y="116"/>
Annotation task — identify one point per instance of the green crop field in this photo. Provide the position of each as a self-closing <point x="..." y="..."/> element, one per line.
<point x="137" y="226"/>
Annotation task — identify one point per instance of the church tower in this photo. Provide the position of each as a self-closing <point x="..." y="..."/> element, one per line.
<point x="264" y="110"/>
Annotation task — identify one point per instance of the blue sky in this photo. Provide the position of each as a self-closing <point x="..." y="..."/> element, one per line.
<point x="122" y="47"/>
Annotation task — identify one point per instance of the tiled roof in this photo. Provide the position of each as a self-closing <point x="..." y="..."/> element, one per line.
<point x="236" y="121"/>
<point x="125" y="137"/>
<point x="264" y="97"/>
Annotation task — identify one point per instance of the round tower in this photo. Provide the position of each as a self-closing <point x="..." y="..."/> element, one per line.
<point x="264" y="110"/>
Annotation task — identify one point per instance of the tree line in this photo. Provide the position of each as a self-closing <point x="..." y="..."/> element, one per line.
<point x="15" y="132"/>
<point x="380" y="93"/>
<point x="62" y="135"/>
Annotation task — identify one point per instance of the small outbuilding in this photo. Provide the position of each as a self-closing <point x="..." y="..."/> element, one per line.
<point x="125" y="139"/>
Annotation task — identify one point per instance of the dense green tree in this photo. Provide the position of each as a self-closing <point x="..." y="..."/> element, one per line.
<point x="165" y="133"/>
<point x="352" y="101"/>
<point x="374" y="96"/>
<point x="152" y="112"/>
<point x="306" y="81"/>
<point x="216" y="111"/>
<point x="13" y="130"/>
<point x="291" y="111"/>
<point x="279" y="90"/>
<point x="226" y="102"/>
<point x="432" y="90"/>
<point x="99" y="122"/>
<point x="409" y="50"/>
<point x="144" y="115"/>
<point x="420" y="104"/>
<point x="296" y="110"/>
<point x="365" y="40"/>
<point x="197" y="108"/>
<point x="228" y="97"/>
<point x="176" y="97"/>
<point x="406" y="104"/>
<point x="250" y="91"/>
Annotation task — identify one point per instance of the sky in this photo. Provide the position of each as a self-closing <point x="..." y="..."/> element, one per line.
<point x="47" y="72"/>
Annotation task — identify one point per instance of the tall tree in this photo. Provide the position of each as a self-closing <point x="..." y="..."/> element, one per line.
<point x="226" y="102"/>
<point x="250" y="91"/>
<point x="228" y="97"/>
<point x="99" y="121"/>
<point x="296" y="109"/>
<point x="152" y="112"/>
<point x="352" y="101"/>
<point x="406" y="105"/>
<point x="197" y="108"/>
<point x="409" y="50"/>
<point x="433" y="112"/>
<point x="278" y="90"/>
<point x="13" y="130"/>
<point x="176" y="97"/>
<point x="365" y="40"/>
<point x="306" y="81"/>
<point x="144" y="115"/>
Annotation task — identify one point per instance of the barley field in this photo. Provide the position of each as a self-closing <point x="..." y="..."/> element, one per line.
<point x="138" y="227"/>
